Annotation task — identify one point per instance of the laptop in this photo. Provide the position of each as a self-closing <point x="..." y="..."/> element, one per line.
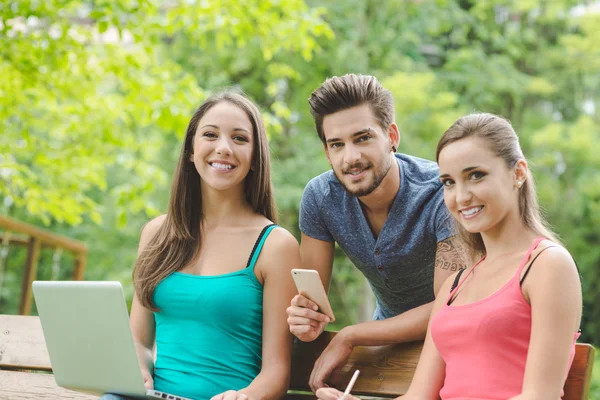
<point x="91" y="348"/>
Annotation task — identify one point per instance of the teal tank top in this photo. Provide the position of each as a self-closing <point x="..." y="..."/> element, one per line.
<point x="209" y="330"/>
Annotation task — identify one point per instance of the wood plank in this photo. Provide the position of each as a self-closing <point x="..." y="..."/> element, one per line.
<point x="386" y="371"/>
<point x="26" y="385"/>
<point x="300" y="396"/>
<point x="579" y="379"/>
<point x="29" y="274"/>
<point x="22" y="344"/>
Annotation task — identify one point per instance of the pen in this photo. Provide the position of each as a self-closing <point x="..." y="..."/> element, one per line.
<point x="352" y="381"/>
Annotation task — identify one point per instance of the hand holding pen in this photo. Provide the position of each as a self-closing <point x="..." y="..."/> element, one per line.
<point x="334" y="394"/>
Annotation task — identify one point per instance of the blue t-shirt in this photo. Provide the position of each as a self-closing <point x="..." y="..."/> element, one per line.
<point x="399" y="263"/>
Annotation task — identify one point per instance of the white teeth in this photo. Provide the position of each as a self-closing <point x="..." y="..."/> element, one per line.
<point x="221" y="166"/>
<point x="471" y="211"/>
<point x="355" y="172"/>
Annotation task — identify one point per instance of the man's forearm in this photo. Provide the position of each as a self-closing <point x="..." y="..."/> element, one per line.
<point x="406" y="327"/>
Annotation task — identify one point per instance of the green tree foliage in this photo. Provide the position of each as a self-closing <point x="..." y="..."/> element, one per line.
<point x="95" y="97"/>
<point x="86" y="85"/>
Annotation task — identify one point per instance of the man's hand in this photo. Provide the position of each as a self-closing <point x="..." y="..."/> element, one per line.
<point x="333" y="394"/>
<point x="305" y="322"/>
<point x="335" y="355"/>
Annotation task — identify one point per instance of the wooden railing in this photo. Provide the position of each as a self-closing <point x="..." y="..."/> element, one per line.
<point x="19" y="233"/>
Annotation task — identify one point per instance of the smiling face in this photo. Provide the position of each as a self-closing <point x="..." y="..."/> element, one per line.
<point x="223" y="146"/>
<point x="480" y="190"/>
<point x="358" y="149"/>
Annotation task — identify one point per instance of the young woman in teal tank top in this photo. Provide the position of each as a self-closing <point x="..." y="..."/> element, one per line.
<point x="212" y="279"/>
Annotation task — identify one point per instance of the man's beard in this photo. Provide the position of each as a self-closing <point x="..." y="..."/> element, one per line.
<point x="378" y="177"/>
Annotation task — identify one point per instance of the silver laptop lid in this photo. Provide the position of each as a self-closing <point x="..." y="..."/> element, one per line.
<point x="86" y="327"/>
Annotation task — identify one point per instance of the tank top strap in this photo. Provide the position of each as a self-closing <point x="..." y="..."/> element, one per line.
<point x="464" y="279"/>
<point x="533" y="246"/>
<point x="258" y="245"/>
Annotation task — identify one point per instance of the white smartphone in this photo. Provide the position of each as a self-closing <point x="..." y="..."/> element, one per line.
<point x="309" y="285"/>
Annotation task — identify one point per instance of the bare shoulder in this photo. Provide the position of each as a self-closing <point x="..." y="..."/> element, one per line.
<point x="280" y="241"/>
<point x="150" y="229"/>
<point x="554" y="264"/>
<point x="447" y="285"/>
<point x="443" y="294"/>
<point x="555" y="258"/>
<point x="280" y="251"/>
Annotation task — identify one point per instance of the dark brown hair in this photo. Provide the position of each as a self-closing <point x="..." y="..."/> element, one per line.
<point x="503" y="141"/>
<point x="178" y="241"/>
<point x="342" y="92"/>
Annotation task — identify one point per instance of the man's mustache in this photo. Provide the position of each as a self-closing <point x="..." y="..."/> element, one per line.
<point x="355" y="166"/>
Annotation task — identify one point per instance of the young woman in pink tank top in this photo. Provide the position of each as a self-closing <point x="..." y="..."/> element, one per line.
<point x="506" y="328"/>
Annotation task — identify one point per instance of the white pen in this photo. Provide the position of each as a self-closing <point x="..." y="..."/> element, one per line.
<point x="352" y="381"/>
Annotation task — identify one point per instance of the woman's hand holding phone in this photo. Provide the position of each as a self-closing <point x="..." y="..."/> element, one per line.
<point x="306" y="323"/>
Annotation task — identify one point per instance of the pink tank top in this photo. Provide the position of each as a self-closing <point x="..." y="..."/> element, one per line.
<point x="484" y="344"/>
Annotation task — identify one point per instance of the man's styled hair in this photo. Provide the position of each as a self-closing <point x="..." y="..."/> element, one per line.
<point x="342" y="92"/>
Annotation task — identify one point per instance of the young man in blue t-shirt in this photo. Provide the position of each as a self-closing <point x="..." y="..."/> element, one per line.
<point x="385" y="210"/>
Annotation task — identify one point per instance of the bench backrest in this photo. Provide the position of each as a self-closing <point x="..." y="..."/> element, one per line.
<point x="386" y="371"/>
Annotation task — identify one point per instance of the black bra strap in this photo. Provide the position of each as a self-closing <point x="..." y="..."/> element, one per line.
<point x="531" y="263"/>
<point x="457" y="279"/>
<point x="455" y="284"/>
<point x="262" y="233"/>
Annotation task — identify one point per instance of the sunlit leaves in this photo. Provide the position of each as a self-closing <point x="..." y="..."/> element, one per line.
<point x="86" y="89"/>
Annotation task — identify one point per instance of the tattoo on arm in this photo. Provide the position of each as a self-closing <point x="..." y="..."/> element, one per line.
<point x="450" y="256"/>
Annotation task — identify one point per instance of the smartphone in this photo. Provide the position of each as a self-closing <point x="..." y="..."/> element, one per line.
<point x="310" y="286"/>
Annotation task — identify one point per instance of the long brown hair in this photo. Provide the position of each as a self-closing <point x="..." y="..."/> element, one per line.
<point x="502" y="139"/>
<point x="351" y="90"/>
<point x="178" y="241"/>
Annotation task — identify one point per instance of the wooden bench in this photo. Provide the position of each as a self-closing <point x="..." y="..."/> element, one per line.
<point x="25" y="371"/>
<point x="386" y="371"/>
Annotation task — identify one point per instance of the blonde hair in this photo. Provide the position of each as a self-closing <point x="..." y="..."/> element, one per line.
<point x="501" y="139"/>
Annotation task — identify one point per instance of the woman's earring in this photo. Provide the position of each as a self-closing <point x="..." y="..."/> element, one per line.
<point x="519" y="183"/>
<point x="394" y="148"/>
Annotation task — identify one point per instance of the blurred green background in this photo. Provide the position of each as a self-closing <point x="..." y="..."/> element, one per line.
<point x="95" y="97"/>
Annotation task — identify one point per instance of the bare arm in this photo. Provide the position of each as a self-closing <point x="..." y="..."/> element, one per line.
<point x="141" y="319"/>
<point x="430" y="372"/>
<point x="408" y="326"/>
<point x="279" y="256"/>
<point x="317" y="254"/>
<point x="143" y="329"/>
<point x="553" y="289"/>
<point x="303" y="319"/>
